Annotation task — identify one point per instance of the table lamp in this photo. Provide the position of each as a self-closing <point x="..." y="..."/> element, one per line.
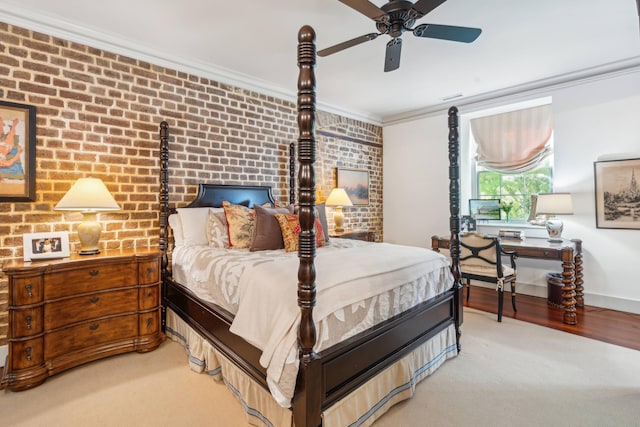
<point x="551" y="204"/>
<point x="338" y="198"/>
<point x="88" y="195"/>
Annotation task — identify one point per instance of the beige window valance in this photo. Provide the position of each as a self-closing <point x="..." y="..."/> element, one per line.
<point x="514" y="142"/>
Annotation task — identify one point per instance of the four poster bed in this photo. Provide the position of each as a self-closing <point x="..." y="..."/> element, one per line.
<point x="298" y="360"/>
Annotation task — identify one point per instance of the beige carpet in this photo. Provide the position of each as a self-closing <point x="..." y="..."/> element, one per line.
<point x="509" y="374"/>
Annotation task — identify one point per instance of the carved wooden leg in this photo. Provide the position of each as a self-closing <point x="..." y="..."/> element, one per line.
<point x="468" y="288"/>
<point x="568" y="292"/>
<point x="513" y="297"/>
<point x="500" y="303"/>
<point x="578" y="280"/>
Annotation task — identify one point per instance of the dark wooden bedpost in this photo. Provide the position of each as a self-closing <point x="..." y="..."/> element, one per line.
<point x="307" y="399"/>
<point x="292" y="173"/>
<point x="163" y="242"/>
<point x="454" y="218"/>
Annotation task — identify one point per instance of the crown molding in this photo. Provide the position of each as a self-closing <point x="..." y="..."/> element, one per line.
<point x="56" y="27"/>
<point x="524" y="91"/>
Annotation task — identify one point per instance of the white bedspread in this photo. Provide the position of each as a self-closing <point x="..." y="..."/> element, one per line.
<point x="267" y="313"/>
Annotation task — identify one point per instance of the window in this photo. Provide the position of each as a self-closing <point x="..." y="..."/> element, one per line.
<point x="515" y="188"/>
<point x="512" y="157"/>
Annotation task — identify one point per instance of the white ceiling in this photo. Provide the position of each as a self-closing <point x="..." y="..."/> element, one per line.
<point x="252" y="44"/>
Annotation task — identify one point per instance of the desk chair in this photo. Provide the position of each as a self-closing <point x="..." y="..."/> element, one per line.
<point x="481" y="259"/>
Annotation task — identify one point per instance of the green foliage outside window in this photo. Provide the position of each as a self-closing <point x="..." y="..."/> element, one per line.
<point x="515" y="188"/>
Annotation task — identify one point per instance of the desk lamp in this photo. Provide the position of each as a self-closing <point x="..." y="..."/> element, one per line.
<point x="551" y="204"/>
<point x="338" y="198"/>
<point x="88" y="195"/>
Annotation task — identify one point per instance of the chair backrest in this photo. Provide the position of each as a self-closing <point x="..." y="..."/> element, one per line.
<point x="479" y="250"/>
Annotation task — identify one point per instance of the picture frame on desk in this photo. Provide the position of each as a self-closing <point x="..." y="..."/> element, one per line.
<point x="467" y="224"/>
<point x="617" y="193"/>
<point x="51" y="245"/>
<point x="485" y="209"/>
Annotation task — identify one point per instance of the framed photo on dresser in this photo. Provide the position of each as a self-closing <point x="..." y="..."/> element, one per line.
<point x="45" y="245"/>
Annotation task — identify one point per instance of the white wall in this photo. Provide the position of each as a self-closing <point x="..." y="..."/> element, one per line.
<point x="593" y="118"/>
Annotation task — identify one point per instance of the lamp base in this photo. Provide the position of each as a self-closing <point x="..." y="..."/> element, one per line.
<point x="89" y="234"/>
<point x="89" y="252"/>
<point x="554" y="228"/>
<point x="338" y="219"/>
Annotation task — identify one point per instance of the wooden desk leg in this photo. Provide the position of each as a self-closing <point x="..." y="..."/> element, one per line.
<point x="578" y="280"/>
<point x="568" y="288"/>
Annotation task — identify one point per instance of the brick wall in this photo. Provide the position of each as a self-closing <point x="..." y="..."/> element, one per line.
<point x="98" y="115"/>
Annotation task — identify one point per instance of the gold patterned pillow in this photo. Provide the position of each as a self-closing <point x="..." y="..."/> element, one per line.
<point x="240" y="222"/>
<point x="290" y="227"/>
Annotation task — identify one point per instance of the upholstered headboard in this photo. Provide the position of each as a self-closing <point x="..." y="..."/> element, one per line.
<point x="212" y="195"/>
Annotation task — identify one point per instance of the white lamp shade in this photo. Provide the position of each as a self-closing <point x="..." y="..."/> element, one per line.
<point x="554" y="204"/>
<point x="87" y="194"/>
<point x="338" y="197"/>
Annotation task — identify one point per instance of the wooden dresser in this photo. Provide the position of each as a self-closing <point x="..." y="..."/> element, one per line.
<point x="366" y="235"/>
<point x="66" y="312"/>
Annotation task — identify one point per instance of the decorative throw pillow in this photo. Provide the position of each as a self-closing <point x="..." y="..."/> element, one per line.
<point x="321" y="214"/>
<point x="194" y="225"/>
<point x="176" y="227"/>
<point x="240" y="223"/>
<point x="267" y="234"/>
<point x="290" y="227"/>
<point x="217" y="231"/>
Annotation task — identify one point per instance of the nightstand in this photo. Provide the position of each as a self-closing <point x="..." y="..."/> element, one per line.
<point x="66" y="312"/>
<point x="366" y="235"/>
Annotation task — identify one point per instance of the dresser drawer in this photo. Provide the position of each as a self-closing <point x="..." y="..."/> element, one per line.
<point x="100" y="304"/>
<point x="26" y="322"/>
<point x="27" y="353"/>
<point x="95" y="278"/>
<point x="149" y="323"/>
<point x="88" y="334"/>
<point x="149" y="272"/>
<point x="149" y="297"/>
<point x="26" y="290"/>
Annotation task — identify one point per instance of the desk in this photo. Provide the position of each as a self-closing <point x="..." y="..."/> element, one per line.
<point x="569" y="252"/>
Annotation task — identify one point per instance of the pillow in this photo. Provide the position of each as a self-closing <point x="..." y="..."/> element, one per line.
<point x="290" y="227"/>
<point x="194" y="225"/>
<point x="267" y="234"/>
<point x="240" y="223"/>
<point x="217" y="232"/>
<point x="176" y="227"/>
<point x="321" y="214"/>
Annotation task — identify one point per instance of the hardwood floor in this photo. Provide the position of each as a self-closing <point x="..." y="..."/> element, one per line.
<point x="615" y="327"/>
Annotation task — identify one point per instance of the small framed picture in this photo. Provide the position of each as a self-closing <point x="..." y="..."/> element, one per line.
<point x="617" y="193"/>
<point x="45" y="245"/>
<point x="467" y="223"/>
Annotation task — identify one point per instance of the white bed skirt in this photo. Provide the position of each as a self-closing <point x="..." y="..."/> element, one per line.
<point x="360" y="408"/>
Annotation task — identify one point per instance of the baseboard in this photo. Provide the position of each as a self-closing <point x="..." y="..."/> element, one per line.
<point x="4" y="351"/>
<point x="594" y="300"/>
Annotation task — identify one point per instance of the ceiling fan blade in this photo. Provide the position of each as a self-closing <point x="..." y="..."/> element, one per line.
<point x="392" y="57"/>
<point x="368" y="9"/>
<point x="422" y="7"/>
<point x="447" y="32"/>
<point x="347" y="44"/>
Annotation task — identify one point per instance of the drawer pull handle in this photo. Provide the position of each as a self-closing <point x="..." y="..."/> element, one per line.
<point x="94" y="273"/>
<point x="28" y="288"/>
<point x="150" y="294"/>
<point x="27" y="351"/>
<point x="94" y="326"/>
<point x="28" y="319"/>
<point x="149" y="323"/>
<point x="94" y="300"/>
<point x="149" y="273"/>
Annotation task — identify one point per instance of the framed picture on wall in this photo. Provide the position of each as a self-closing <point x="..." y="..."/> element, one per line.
<point x="356" y="183"/>
<point x="617" y="193"/>
<point x="45" y="245"/>
<point x="17" y="152"/>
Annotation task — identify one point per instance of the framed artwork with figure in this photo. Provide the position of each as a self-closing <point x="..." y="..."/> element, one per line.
<point x="17" y="152"/>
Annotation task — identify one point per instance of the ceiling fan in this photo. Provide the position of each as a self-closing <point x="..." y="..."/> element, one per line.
<point x="396" y="17"/>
